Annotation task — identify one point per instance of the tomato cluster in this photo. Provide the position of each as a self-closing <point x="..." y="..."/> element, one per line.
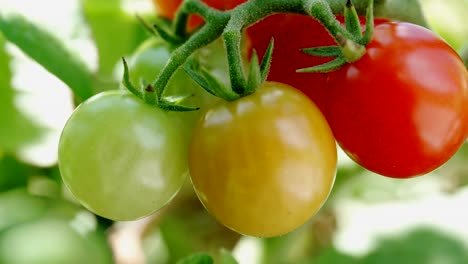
<point x="265" y="163"/>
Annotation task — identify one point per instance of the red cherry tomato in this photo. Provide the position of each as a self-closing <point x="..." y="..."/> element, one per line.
<point x="291" y="34"/>
<point x="402" y="109"/>
<point x="168" y="8"/>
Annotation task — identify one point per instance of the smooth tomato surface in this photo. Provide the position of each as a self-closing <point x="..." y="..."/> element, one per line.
<point x="168" y="8"/>
<point x="292" y="33"/>
<point x="263" y="164"/>
<point x="121" y="158"/>
<point x="402" y="109"/>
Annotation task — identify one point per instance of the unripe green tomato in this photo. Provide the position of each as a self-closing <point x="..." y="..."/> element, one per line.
<point x="122" y="158"/>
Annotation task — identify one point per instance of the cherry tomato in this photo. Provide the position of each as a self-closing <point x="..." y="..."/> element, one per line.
<point x="263" y="164"/>
<point x="402" y="109"/>
<point x="168" y="8"/>
<point x="292" y="33"/>
<point x="121" y="158"/>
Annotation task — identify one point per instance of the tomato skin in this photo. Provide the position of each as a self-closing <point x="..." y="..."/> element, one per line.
<point x="263" y="164"/>
<point x="291" y="34"/>
<point x="168" y="8"/>
<point x="121" y="158"/>
<point x="402" y="109"/>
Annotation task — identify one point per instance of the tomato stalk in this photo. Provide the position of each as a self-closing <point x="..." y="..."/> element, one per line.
<point x="229" y="26"/>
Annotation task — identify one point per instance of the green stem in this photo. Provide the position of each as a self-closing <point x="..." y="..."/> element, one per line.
<point x="320" y="10"/>
<point x="207" y="34"/>
<point x="229" y="25"/>
<point x="191" y="7"/>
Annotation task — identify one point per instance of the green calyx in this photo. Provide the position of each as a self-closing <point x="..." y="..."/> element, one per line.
<point x="351" y="42"/>
<point x="152" y="96"/>
<point x="257" y="74"/>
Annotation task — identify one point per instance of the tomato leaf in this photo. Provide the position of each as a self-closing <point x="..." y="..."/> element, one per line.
<point x="325" y="51"/>
<point x="16" y="129"/>
<point x="326" y="67"/>
<point x="49" y="52"/>
<point x="200" y="258"/>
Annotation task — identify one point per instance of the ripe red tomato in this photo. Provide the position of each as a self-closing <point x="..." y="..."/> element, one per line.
<point x="293" y="33"/>
<point x="168" y="8"/>
<point x="402" y="109"/>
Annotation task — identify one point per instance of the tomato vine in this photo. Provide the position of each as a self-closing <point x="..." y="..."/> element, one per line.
<point x="229" y="25"/>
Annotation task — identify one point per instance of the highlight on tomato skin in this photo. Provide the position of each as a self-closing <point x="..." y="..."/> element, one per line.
<point x="264" y="164"/>
<point x="402" y="109"/>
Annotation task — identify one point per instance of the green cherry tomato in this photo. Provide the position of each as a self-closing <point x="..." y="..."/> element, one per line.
<point x="121" y="158"/>
<point x="264" y="164"/>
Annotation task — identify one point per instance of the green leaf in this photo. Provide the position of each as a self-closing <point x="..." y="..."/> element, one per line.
<point x="115" y="33"/>
<point x="16" y="129"/>
<point x="326" y="67"/>
<point x="227" y="258"/>
<point x="200" y="258"/>
<point x="325" y="51"/>
<point x="49" y="52"/>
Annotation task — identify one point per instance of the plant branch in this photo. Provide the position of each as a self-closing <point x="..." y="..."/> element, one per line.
<point x="229" y="26"/>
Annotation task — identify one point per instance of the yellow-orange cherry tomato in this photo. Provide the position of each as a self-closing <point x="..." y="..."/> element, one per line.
<point x="263" y="164"/>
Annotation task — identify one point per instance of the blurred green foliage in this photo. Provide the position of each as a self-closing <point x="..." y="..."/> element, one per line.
<point x="16" y="129"/>
<point x="419" y="246"/>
